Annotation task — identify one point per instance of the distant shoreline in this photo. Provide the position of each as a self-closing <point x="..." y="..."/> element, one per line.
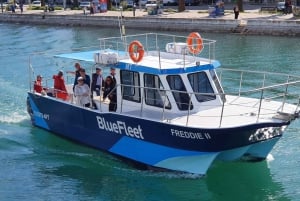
<point x="254" y="26"/>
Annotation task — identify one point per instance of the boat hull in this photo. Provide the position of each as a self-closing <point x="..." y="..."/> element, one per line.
<point x="158" y="144"/>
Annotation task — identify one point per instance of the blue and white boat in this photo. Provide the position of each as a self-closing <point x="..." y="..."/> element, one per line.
<point x="176" y="109"/>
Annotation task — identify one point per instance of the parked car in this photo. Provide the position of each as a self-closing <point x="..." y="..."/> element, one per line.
<point x="142" y="2"/>
<point x="3" y="4"/>
<point x="85" y="5"/>
<point x="280" y="6"/>
<point x="9" y="6"/>
<point x="36" y="3"/>
<point x="130" y="3"/>
<point x="59" y="2"/>
<point x="153" y="3"/>
<point x="170" y="2"/>
<point x="115" y="2"/>
<point x="192" y="2"/>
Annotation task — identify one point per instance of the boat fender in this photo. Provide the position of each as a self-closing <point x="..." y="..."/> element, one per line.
<point x="136" y="51"/>
<point x="194" y="48"/>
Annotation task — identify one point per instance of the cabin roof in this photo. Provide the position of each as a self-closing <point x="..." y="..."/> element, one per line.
<point x="80" y="56"/>
<point x="165" y="63"/>
<point x="152" y="66"/>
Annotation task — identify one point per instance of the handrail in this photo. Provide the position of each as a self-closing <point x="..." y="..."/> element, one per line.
<point x="222" y="106"/>
<point x="271" y="87"/>
<point x="283" y="89"/>
<point x="291" y="80"/>
<point x="157" y="40"/>
<point x="258" y="72"/>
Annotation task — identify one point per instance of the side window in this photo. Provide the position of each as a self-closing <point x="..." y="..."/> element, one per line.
<point x="182" y="98"/>
<point x="130" y="86"/>
<point x="200" y="84"/>
<point x="155" y="94"/>
<point x="217" y="83"/>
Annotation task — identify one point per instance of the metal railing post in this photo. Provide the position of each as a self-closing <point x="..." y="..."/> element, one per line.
<point x="220" y="77"/>
<point x="189" y="109"/>
<point x="260" y="102"/>
<point x="285" y="93"/>
<point x="214" y="52"/>
<point x="209" y="57"/>
<point x="121" y="110"/>
<point x="142" y="104"/>
<point x="29" y="71"/>
<point x="147" y="50"/>
<point x="163" y="112"/>
<point x="156" y="41"/>
<point x="159" y="58"/>
<point x="241" y="81"/>
<point x="264" y="80"/>
<point x="222" y="111"/>
<point x="184" y="58"/>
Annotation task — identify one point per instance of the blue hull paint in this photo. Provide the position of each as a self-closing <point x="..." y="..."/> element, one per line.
<point x="262" y="149"/>
<point x="135" y="139"/>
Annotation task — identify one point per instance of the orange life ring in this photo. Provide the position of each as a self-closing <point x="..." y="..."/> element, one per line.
<point x="194" y="48"/>
<point x="135" y="47"/>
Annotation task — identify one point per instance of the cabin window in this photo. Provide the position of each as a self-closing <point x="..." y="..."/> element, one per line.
<point x="130" y="86"/>
<point x="181" y="97"/>
<point x="217" y="83"/>
<point x="201" y="85"/>
<point x="155" y="94"/>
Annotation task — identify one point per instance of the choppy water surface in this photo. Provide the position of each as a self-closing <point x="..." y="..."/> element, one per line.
<point x="36" y="165"/>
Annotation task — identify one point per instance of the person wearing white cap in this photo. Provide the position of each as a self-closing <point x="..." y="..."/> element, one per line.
<point x="82" y="93"/>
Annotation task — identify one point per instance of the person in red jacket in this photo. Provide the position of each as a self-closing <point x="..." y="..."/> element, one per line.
<point x="38" y="84"/>
<point x="59" y="86"/>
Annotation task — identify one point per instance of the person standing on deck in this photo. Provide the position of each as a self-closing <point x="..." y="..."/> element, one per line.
<point x="86" y="77"/>
<point x="59" y="86"/>
<point x="38" y="84"/>
<point x="97" y="81"/>
<point x="109" y="92"/>
<point x="82" y="93"/>
<point x="76" y="73"/>
<point x="113" y="74"/>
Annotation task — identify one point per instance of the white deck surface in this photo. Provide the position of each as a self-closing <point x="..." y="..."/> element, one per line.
<point x="238" y="111"/>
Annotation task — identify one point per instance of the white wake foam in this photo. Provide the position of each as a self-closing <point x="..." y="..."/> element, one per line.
<point x="13" y="117"/>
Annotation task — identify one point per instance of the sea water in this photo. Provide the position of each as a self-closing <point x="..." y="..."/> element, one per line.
<point x="37" y="165"/>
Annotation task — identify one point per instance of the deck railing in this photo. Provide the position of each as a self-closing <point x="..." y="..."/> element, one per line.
<point x="164" y="113"/>
<point x="253" y="81"/>
<point x="263" y="86"/>
<point x="284" y="96"/>
<point x="153" y="42"/>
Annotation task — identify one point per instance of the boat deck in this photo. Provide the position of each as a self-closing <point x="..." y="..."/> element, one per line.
<point x="238" y="111"/>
